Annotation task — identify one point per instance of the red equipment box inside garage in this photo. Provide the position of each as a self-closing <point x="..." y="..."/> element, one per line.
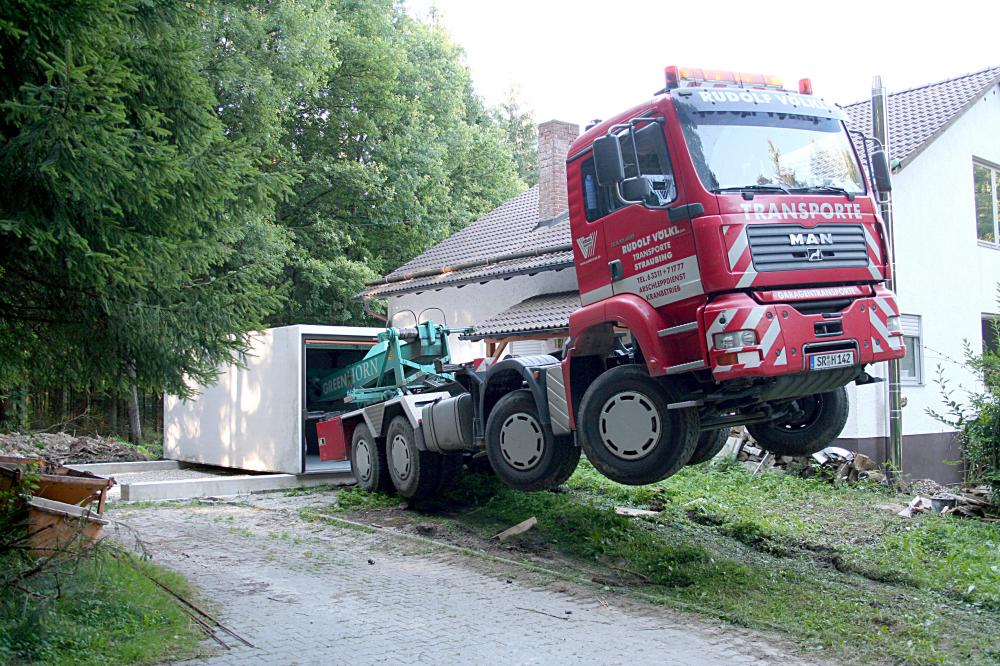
<point x="332" y="442"/>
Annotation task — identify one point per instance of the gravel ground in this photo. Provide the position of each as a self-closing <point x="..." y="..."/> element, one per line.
<point x="312" y="593"/>
<point x="64" y="448"/>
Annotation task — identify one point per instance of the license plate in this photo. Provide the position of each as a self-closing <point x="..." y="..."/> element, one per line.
<point x="831" y="360"/>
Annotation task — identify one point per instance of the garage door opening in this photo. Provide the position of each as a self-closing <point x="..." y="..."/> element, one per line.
<point x="326" y="372"/>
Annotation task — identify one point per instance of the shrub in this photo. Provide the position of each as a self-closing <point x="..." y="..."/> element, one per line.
<point x="978" y="420"/>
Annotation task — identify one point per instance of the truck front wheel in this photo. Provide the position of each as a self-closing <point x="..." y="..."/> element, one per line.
<point x="415" y="473"/>
<point x="522" y="453"/>
<point x="820" y="420"/>
<point x="627" y="431"/>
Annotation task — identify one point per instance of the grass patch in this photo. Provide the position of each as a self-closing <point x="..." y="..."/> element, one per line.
<point x="355" y="499"/>
<point x="105" y="611"/>
<point x="303" y="491"/>
<point x="821" y="564"/>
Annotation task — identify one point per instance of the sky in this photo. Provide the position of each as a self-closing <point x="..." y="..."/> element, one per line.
<point x="582" y="60"/>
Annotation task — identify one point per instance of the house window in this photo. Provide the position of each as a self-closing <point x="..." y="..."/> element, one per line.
<point x="991" y="333"/>
<point x="986" y="184"/>
<point x="911" y="366"/>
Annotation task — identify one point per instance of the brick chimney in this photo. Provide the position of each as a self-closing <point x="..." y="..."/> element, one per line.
<point x="554" y="140"/>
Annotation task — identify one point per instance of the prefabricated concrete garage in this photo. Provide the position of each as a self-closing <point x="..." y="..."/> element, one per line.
<point x="261" y="414"/>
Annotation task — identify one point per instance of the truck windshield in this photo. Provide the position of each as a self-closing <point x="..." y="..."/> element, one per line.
<point x="770" y="152"/>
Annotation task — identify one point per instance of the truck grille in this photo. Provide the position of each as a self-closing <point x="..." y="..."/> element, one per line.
<point x="786" y="247"/>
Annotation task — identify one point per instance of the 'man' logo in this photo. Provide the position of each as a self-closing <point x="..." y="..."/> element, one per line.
<point x="587" y="244"/>
<point x="810" y="239"/>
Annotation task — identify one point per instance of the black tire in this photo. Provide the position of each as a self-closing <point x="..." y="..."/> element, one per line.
<point x="823" y="419"/>
<point x="523" y="454"/>
<point x="368" y="464"/>
<point x="414" y="473"/>
<point x="710" y="442"/>
<point x="667" y="440"/>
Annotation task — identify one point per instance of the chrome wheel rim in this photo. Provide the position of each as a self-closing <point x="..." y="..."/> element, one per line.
<point x="522" y="441"/>
<point x="363" y="460"/>
<point x="629" y="425"/>
<point x="400" y="454"/>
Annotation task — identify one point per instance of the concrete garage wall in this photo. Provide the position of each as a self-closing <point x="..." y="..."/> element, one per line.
<point x="251" y="418"/>
<point x="473" y="303"/>
<point x="946" y="277"/>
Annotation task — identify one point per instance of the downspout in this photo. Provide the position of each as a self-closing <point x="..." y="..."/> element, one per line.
<point x="880" y="129"/>
<point x="366" y="308"/>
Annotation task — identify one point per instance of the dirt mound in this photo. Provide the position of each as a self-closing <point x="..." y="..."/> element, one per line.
<point x="65" y="448"/>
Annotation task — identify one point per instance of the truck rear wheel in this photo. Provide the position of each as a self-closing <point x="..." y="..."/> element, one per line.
<point x="368" y="463"/>
<point x="414" y="473"/>
<point x="822" y="419"/>
<point x="523" y="454"/>
<point x="710" y="442"/>
<point x="627" y="431"/>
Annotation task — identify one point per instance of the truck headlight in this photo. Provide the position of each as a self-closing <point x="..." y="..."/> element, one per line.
<point x="892" y="323"/>
<point x="734" y="339"/>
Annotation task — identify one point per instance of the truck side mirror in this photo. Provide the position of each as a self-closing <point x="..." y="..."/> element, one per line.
<point x="636" y="190"/>
<point x="608" y="162"/>
<point x="880" y="171"/>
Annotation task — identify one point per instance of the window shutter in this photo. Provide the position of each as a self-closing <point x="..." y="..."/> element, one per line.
<point x="910" y="325"/>
<point x="527" y="347"/>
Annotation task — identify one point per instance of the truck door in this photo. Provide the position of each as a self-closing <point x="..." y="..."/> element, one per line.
<point x="648" y="255"/>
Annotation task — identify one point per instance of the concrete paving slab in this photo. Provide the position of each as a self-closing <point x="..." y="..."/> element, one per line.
<point x="222" y="486"/>
<point x="105" y="469"/>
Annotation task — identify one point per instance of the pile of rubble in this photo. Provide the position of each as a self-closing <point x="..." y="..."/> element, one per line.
<point x="65" y="448"/>
<point x="834" y="463"/>
<point x="973" y="502"/>
<point x="839" y="465"/>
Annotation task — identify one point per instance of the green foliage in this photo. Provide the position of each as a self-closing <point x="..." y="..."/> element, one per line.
<point x="518" y="124"/>
<point x="978" y="419"/>
<point x="395" y="153"/>
<point x="960" y="558"/>
<point x="178" y="174"/>
<point x="136" y="242"/>
<point x="589" y="530"/>
<point x="104" y="610"/>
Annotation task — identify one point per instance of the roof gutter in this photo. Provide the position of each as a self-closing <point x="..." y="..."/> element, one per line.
<point x="472" y="263"/>
<point x="499" y="335"/>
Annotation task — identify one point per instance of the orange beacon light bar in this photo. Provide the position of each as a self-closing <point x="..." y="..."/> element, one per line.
<point x="694" y="76"/>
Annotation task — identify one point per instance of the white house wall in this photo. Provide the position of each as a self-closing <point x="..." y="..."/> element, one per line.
<point x="473" y="303"/>
<point x="943" y="274"/>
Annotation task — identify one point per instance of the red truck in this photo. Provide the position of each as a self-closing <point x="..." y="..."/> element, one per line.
<point x="731" y="263"/>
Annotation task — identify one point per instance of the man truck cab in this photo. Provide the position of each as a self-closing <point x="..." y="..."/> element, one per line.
<point x="727" y="229"/>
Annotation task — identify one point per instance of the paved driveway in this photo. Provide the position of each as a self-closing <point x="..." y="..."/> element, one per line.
<point x="309" y="593"/>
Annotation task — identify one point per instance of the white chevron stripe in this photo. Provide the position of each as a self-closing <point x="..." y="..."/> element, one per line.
<point x="739" y="246"/>
<point x="748" y="277"/>
<point x="891" y="340"/>
<point x="754" y="318"/>
<point x="872" y="243"/>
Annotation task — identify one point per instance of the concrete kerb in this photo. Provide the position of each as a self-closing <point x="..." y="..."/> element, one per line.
<point x="105" y="469"/>
<point x="227" y="486"/>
